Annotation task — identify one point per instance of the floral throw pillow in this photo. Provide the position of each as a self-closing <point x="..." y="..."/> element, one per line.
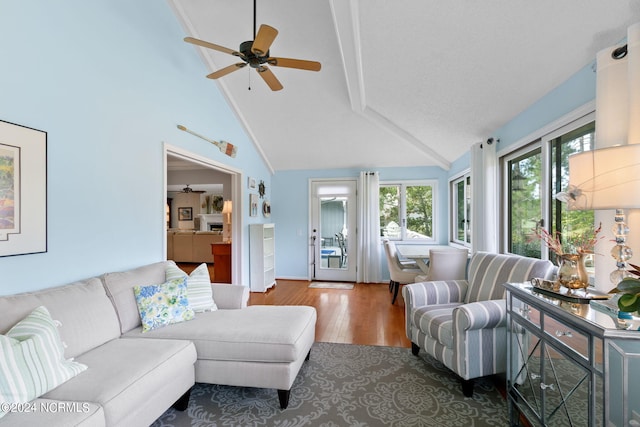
<point x="161" y="305"/>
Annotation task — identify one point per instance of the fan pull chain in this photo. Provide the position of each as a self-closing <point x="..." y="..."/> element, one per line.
<point x="249" y="80"/>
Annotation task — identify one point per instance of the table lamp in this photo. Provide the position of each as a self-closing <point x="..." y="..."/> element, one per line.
<point x="227" y="208"/>
<point x="608" y="178"/>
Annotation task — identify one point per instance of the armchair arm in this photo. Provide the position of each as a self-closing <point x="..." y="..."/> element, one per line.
<point x="480" y="338"/>
<point x="429" y="293"/>
<point x="480" y="315"/>
<point x="230" y="296"/>
<point x="437" y="292"/>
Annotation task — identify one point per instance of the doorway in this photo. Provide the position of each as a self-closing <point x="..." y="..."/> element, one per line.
<point x="333" y="230"/>
<point x="178" y="159"/>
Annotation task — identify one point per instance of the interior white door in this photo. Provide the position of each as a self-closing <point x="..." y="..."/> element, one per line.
<point x="333" y="230"/>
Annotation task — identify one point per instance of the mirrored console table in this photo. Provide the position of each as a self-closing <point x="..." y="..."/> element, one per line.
<point x="568" y="363"/>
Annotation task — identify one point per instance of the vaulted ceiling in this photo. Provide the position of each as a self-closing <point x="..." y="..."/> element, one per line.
<point x="403" y="82"/>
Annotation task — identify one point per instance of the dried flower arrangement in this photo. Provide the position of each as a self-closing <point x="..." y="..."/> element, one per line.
<point x="583" y="243"/>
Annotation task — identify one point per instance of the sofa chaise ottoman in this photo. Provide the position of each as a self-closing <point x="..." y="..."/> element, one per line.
<point x="257" y="346"/>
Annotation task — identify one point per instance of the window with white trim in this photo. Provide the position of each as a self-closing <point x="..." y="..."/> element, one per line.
<point x="407" y="210"/>
<point x="460" y="200"/>
<point x="532" y="176"/>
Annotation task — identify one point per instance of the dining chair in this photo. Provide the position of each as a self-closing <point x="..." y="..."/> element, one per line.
<point x="448" y="264"/>
<point x="399" y="274"/>
<point x="343" y="249"/>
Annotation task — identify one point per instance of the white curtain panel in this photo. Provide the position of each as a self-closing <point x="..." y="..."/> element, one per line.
<point x="617" y="122"/>
<point x="633" y="44"/>
<point x="369" y="228"/>
<point x="484" y="193"/>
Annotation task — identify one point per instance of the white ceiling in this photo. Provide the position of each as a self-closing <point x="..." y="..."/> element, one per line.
<point x="403" y="82"/>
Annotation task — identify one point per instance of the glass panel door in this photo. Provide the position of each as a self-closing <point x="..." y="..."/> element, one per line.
<point x="333" y="223"/>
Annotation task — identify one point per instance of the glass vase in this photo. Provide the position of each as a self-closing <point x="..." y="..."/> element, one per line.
<point x="572" y="273"/>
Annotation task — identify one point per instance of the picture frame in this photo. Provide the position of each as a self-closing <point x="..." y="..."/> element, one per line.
<point x="185" y="214"/>
<point x="253" y="205"/>
<point x="23" y="190"/>
<point x="251" y="183"/>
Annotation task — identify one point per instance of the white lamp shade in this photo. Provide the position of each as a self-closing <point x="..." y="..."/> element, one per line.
<point x="608" y="178"/>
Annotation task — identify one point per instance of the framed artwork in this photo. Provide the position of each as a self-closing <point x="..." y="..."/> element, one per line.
<point x="251" y="183"/>
<point x="218" y="203"/>
<point x="185" y="214"/>
<point x="23" y="190"/>
<point x="253" y="205"/>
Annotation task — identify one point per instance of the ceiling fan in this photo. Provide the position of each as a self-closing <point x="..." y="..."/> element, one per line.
<point x="255" y="53"/>
<point x="188" y="189"/>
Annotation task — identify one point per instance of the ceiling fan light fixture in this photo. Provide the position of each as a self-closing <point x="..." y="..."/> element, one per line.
<point x="255" y="53"/>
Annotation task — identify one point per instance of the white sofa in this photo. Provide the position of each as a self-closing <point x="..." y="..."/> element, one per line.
<point x="134" y="377"/>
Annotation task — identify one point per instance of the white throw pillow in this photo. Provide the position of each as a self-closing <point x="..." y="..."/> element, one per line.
<point x="32" y="359"/>
<point x="198" y="286"/>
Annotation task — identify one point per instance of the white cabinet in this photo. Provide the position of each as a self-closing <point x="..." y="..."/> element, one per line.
<point x="262" y="256"/>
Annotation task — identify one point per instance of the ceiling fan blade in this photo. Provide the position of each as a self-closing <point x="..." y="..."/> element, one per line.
<point x="213" y="46"/>
<point x="300" y="64"/>
<point x="226" y="70"/>
<point x="266" y="35"/>
<point x="269" y="78"/>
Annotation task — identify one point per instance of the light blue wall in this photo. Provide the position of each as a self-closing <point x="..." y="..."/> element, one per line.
<point x="575" y="92"/>
<point x="290" y="207"/>
<point x="108" y="80"/>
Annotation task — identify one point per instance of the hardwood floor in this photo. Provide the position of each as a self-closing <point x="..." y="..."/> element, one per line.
<point x="363" y="315"/>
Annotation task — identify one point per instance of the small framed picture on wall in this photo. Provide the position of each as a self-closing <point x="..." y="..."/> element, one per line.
<point x="253" y="205"/>
<point x="251" y="183"/>
<point x="185" y="214"/>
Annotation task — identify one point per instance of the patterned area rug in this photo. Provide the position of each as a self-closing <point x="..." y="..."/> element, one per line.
<point x="350" y="385"/>
<point x="331" y="285"/>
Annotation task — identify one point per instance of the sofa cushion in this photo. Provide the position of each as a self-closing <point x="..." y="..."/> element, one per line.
<point x="436" y="321"/>
<point x="198" y="286"/>
<point x="163" y="304"/>
<point x="32" y="359"/>
<point x="50" y="413"/>
<point x="86" y="315"/>
<point x="123" y="372"/>
<point x="256" y="333"/>
<point x="119" y="287"/>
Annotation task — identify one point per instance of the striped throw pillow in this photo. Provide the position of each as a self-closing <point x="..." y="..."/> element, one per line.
<point x="32" y="359"/>
<point x="198" y="286"/>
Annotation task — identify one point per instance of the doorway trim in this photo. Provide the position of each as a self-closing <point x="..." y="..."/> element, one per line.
<point x="237" y="234"/>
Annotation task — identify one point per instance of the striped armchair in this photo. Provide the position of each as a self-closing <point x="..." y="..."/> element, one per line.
<point x="462" y="323"/>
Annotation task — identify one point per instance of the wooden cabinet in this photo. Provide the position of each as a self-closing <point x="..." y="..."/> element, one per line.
<point x="221" y="262"/>
<point x="262" y="256"/>
<point x="568" y="363"/>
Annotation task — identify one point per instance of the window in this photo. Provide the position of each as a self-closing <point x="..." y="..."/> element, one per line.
<point x="407" y="210"/>
<point x="569" y="223"/>
<point x="461" y="210"/>
<point x="534" y="175"/>
<point x="524" y="201"/>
